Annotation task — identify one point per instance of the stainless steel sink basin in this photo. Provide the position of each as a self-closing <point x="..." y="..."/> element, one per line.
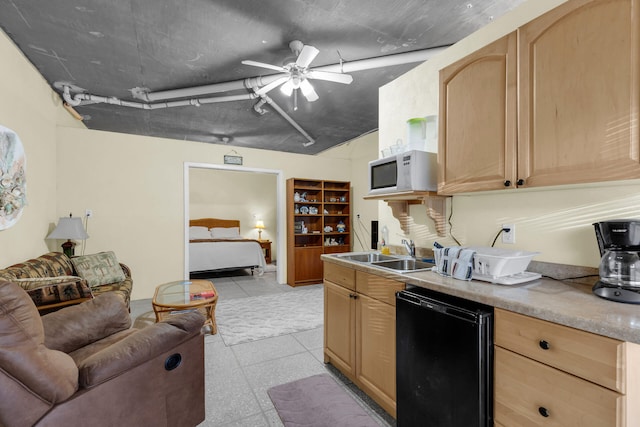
<point x="406" y="265"/>
<point x="368" y="257"/>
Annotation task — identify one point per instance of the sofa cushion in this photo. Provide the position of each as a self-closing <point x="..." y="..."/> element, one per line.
<point x="99" y="269"/>
<point x="48" y="373"/>
<point x="51" y="264"/>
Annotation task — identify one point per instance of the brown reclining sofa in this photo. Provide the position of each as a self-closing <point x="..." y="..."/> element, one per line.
<point x="84" y="365"/>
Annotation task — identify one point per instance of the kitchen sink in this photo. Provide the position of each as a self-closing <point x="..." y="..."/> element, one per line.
<point x="406" y="265"/>
<point x="369" y="257"/>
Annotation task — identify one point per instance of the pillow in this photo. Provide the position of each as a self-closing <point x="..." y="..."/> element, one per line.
<point x="99" y="269"/>
<point x="60" y="292"/>
<point x="197" y="232"/>
<point x="225" y="233"/>
<point x="38" y="282"/>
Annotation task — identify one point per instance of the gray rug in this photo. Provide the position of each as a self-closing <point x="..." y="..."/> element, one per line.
<point x="318" y="401"/>
<point x="248" y="319"/>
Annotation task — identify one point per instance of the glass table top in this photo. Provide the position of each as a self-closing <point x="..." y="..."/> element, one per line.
<point x="184" y="292"/>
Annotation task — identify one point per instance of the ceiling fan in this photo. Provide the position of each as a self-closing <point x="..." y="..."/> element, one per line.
<point x="298" y="74"/>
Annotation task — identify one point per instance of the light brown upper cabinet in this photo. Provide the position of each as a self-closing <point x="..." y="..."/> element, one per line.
<point x="578" y="98"/>
<point x="477" y="142"/>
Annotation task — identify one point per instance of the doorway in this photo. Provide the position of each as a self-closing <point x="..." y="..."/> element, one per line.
<point x="250" y="215"/>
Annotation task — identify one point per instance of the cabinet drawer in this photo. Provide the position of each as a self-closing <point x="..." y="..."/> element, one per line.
<point x="593" y="357"/>
<point x="528" y="393"/>
<point x="378" y="287"/>
<point x="340" y="275"/>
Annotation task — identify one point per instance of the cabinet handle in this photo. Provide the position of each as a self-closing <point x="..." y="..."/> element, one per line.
<point x="544" y="345"/>
<point x="354" y="296"/>
<point x="543" y="411"/>
<point x="507" y="183"/>
<point x="520" y="181"/>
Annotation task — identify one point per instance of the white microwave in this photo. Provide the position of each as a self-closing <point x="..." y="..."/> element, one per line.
<point x="409" y="171"/>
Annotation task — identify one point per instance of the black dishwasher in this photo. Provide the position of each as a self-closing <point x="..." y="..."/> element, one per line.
<point x="444" y="360"/>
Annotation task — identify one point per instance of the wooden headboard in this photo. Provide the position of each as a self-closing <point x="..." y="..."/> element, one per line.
<point x="214" y="222"/>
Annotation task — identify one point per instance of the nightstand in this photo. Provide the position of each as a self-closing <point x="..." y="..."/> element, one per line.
<point x="266" y="247"/>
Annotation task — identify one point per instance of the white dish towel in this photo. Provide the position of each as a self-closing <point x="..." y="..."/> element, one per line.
<point x="455" y="261"/>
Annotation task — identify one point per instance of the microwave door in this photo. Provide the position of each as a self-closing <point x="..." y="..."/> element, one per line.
<point x="384" y="176"/>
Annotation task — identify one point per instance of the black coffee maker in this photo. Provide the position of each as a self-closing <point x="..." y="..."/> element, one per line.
<point x="619" y="243"/>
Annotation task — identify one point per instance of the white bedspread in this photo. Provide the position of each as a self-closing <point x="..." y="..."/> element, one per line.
<point x="205" y="256"/>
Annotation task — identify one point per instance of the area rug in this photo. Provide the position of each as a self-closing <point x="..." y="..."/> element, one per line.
<point x="318" y="401"/>
<point x="248" y="319"/>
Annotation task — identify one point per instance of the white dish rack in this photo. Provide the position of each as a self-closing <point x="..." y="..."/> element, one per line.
<point x="502" y="266"/>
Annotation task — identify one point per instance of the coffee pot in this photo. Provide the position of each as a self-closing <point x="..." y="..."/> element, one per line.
<point x="619" y="244"/>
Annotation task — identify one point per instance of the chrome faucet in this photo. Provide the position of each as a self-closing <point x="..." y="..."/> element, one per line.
<point x="410" y="246"/>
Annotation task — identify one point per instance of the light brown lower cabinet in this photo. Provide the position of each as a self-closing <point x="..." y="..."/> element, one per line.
<point x="552" y="375"/>
<point x="360" y="330"/>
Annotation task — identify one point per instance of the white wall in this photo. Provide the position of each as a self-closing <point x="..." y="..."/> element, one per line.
<point x="555" y="221"/>
<point x="135" y="184"/>
<point x="28" y="108"/>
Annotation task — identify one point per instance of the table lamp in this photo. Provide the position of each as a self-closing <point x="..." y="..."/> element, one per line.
<point x="260" y="227"/>
<point x="69" y="228"/>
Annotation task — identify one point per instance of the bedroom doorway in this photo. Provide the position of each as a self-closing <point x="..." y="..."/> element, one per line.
<point x="235" y="192"/>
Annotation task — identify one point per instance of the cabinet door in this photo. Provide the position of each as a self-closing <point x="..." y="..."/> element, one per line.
<point x="477" y="141"/>
<point x="579" y="93"/>
<point x="339" y="328"/>
<point x="308" y="265"/>
<point x="376" y="350"/>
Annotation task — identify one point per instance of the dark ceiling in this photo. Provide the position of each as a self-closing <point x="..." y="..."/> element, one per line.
<point x="118" y="48"/>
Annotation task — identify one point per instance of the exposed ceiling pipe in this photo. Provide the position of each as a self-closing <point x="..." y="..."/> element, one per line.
<point x="383" y="61"/>
<point x="209" y="89"/>
<point x="344" y="67"/>
<point x="310" y="140"/>
<point x="78" y="98"/>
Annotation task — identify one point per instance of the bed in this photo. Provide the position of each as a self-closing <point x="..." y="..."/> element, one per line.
<point x="216" y="245"/>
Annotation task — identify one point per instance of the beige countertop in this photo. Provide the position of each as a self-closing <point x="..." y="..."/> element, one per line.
<point x="565" y="303"/>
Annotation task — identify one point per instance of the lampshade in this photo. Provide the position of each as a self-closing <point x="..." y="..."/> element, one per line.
<point x="69" y="228"/>
<point x="260" y="227"/>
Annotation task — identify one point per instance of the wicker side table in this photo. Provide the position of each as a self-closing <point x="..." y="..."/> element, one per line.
<point x="174" y="297"/>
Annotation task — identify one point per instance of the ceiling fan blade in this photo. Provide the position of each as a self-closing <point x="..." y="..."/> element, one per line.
<point x="263" y="65"/>
<point x="307" y="54"/>
<point x="308" y="91"/>
<point x="332" y="77"/>
<point x="272" y="85"/>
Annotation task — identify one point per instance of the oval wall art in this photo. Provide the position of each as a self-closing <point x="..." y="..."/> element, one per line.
<point x="13" y="185"/>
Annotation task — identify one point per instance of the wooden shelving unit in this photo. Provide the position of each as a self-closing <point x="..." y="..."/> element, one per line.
<point x="313" y="205"/>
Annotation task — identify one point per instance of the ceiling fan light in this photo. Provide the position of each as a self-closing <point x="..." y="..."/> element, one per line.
<point x="287" y="88"/>
<point x="308" y="91"/>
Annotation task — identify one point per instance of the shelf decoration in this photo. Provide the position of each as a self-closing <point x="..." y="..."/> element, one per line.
<point x="13" y="183"/>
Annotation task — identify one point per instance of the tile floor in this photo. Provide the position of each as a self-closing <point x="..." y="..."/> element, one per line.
<point x="238" y="376"/>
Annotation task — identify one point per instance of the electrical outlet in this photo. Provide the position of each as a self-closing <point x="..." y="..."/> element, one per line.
<point x="88" y="213"/>
<point x="509" y="237"/>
